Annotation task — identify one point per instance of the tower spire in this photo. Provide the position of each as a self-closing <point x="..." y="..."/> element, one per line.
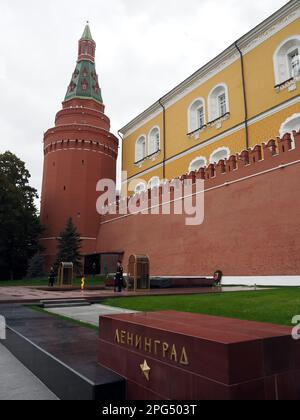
<point x="87" y="35"/>
<point x="84" y="83"/>
<point x="87" y="46"/>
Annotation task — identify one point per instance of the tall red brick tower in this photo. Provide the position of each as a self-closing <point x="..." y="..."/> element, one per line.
<point x="78" y="152"/>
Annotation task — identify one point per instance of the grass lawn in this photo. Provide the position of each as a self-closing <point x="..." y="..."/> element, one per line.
<point x="89" y="281"/>
<point x="276" y="306"/>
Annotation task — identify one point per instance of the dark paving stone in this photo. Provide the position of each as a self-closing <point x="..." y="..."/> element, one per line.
<point x="62" y="355"/>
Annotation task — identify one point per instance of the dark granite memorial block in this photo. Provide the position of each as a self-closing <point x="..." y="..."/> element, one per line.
<point x="173" y="355"/>
<point x="62" y="355"/>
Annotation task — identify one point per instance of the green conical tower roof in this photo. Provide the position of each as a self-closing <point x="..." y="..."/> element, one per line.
<point x="87" y="35"/>
<point x="84" y="83"/>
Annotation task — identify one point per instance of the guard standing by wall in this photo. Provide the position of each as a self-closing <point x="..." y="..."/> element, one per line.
<point x="51" y="277"/>
<point x="119" y="277"/>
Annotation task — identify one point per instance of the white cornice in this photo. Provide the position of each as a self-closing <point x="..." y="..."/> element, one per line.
<point x="276" y="22"/>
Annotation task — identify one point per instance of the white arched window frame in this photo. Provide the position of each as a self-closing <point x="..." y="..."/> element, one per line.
<point x="287" y="60"/>
<point x="154" y="182"/>
<point x="198" y="163"/>
<point x="140" y="187"/>
<point x="289" y="125"/>
<point x="219" y="154"/>
<point x="196" y="115"/>
<point x="154" y="141"/>
<point x="218" y="102"/>
<point x="141" y="149"/>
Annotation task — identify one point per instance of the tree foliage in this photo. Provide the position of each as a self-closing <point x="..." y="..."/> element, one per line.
<point x="20" y="227"/>
<point x="36" y="267"/>
<point x="69" y="247"/>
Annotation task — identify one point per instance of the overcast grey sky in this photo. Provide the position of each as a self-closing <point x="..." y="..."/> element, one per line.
<point x="144" y="48"/>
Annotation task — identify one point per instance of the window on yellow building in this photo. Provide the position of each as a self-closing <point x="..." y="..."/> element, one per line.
<point x="200" y="116"/>
<point x="141" y="187"/>
<point x="286" y="60"/>
<point x="141" y="149"/>
<point x="218" y="102"/>
<point x="154" y="141"/>
<point x="222" y="104"/>
<point x="154" y="182"/>
<point x="219" y="154"/>
<point x="294" y="59"/>
<point x="198" y="163"/>
<point x="290" y="125"/>
<point x="196" y="115"/>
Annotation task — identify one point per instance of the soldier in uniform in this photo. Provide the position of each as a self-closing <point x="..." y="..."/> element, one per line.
<point x="218" y="275"/>
<point x="51" y="277"/>
<point x="119" y="277"/>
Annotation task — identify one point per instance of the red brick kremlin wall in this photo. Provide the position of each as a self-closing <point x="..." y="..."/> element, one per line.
<point x="251" y="226"/>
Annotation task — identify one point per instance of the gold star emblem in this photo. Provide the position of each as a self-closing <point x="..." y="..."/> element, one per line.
<point x="145" y="368"/>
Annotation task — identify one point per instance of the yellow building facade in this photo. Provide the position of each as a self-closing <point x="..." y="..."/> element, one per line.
<point x="247" y="95"/>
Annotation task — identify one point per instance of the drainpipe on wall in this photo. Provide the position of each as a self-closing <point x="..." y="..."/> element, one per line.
<point x="244" y="94"/>
<point x="164" y="135"/>
<point x="122" y="163"/>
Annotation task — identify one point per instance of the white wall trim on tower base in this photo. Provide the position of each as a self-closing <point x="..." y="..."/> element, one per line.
<point x="261" y="281"/>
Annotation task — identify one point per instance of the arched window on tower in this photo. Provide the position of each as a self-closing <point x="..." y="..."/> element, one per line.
<point x="198" y="163"/>
<point x="154" y="141"/>
<point x="140" y="149"/>
<point x="84" y="84"/>
<point x="196" y="115"/>
<point x="287" y="60"/>
<point x="218" y="102"/>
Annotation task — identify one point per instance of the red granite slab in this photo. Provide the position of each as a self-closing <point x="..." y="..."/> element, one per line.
<point x="255" y="329"/>
<point x="139" y="393"/>
<point x="227" y="358"/>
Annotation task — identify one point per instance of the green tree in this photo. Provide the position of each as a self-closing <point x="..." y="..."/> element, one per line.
<point x="36" y="267"/>
<point x="69" y="246"/>
<point x="20" y="227"/>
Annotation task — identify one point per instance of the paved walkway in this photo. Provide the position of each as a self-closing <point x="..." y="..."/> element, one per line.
<point x="18" y="383"/>
<point x="30" y="294"/>
<point x="89" y="314"/>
